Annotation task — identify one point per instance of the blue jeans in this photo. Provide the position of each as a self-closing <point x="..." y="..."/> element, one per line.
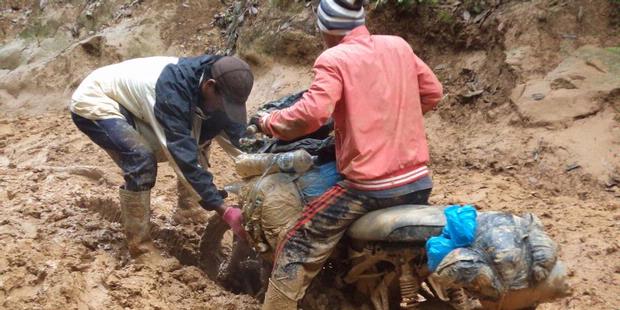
<point x="126" y="146"/>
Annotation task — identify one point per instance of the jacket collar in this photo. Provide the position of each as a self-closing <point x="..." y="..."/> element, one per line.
<point x="357" y="33"/>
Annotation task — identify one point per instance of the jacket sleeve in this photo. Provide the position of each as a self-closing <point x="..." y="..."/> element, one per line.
<point x="431" y="90"/>
<point x="313" y="110"/>
<point x="173" y="114"/>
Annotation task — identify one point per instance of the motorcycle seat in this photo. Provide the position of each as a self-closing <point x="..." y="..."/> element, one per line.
<point x="406" y="223"/>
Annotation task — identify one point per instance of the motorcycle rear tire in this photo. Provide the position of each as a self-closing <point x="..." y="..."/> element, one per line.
<point x="231" y="262"/>
<point x="212" y="252"/>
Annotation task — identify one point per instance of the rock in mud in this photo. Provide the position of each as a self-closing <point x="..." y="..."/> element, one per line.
<point x="562" y="83"/>
<point x="573" y="90"/>
<point x="11" y="54"/>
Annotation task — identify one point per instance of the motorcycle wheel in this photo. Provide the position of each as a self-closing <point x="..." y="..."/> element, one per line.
<point x="215" y="246"/>
<point x="231" y="262"/>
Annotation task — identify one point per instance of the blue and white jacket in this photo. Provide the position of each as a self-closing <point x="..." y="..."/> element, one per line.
<point x="164" y="93"/>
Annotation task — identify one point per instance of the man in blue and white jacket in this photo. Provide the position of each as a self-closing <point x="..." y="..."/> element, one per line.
<point x="146" y="110"/>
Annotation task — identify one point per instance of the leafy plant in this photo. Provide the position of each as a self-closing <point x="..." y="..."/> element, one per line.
<point x="614" y="49"/>
<point x="475" y="6"/>
<point x="446" y="17"/>
<point x="407" y="3"/>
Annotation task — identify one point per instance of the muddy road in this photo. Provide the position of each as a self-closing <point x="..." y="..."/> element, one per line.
<point x="62" y="245"/>
<point x="531" y="123"/>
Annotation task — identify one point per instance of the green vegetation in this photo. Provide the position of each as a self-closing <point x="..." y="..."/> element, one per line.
<point x="614" y="49"/>
<point x="446" y="17"/>
<point x="422" y="2"/>
<point x="475" y="6"/>
<point x="407" y="3"/>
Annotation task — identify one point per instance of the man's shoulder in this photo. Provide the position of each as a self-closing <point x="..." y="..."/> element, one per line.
<point x="187" y="71"/>
<point x="333" y="56"/>
<point x="341" y="53"/>
<point x="391" y="40"/>
<point x="196" y="61"/>
<point x="329" y="55"/>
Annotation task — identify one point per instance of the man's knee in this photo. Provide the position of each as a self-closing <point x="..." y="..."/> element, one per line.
<point x="140" y="167"/>
<point x="150" y="164"/>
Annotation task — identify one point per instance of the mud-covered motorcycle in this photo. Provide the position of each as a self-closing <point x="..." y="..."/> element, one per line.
<point x="381" y="263"/>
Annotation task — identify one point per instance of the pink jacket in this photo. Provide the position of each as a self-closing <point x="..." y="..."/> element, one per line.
<point x="377" y="90"/>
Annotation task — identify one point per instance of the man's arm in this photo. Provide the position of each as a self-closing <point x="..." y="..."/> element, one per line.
<point x="312" y="111"/>
<point x="430" y="88"/>
<point x="172" y="113"/>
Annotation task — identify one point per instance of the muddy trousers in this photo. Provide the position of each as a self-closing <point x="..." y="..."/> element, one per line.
<point x="126" y="146"/>
<point x="306" y="247"/>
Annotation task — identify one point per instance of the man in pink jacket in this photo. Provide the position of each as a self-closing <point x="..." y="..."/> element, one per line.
<point x="377" y="90"/>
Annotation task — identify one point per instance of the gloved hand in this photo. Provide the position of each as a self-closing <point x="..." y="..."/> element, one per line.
<point x="234" y="218"/>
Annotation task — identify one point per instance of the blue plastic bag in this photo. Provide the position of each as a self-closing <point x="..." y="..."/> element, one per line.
<point x="459" y="232"/>
<point x="460" y="225"/>
<point x="436" y="249"/>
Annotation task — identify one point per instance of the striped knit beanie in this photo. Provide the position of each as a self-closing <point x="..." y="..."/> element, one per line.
<point x="339" y="17"/>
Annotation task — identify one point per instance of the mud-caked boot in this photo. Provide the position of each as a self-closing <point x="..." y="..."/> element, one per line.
<point x="276" y="300"/>
<point x="136" y="218"/>
<point x="188" y="210"/>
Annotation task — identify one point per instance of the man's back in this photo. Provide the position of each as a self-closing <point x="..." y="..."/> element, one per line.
<point x="379" y="123"/>
<point x="131" y="83"/>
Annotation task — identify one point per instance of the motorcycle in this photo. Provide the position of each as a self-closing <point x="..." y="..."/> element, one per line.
<point x="380" y="264"/>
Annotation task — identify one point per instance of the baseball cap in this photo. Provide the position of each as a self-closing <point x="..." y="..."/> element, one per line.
<point x="234" y="82"/>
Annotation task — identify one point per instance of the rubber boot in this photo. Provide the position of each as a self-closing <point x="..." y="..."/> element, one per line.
<point x="188" y="210"/>
<point x="136" y="218"/>
<point x="276" y="300"/>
